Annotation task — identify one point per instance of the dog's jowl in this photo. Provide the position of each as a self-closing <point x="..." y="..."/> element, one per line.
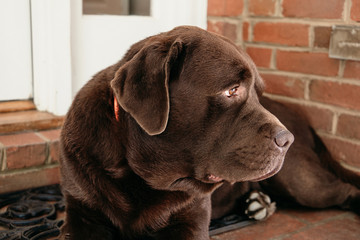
<point x="148" y="140"/>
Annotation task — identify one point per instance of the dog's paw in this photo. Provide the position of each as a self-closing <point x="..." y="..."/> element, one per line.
<point x="259" y="206"/>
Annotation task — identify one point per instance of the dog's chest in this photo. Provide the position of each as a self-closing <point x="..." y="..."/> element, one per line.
<point x="154" y="212"/>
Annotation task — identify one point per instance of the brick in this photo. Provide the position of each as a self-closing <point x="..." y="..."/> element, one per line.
<point x="227" y="8"/>
<point x="275" y="226"/>
<point x="245" y="29"/>
<point x="215" y="7"/>
<point x="355" y="10"/>
<point x="226" y="29"/>
<point x="15" y="181"/>
<point x="322" y="37"/>
<point x="53" y="137"/>
<point x="311" y="216"/>
<point x="262" y="7"/>
<point x="284" y="85"/>
<point x="307" y="62"/>
<point x="352" y="69"/>
<point x="24" y="150"/>
<point x="291" y="34"/>
<point x="343" y="151"/>
<point x="348" y="126"/>
<point x="339" y="94"/>
<point x="319" y="118"/>
<point x="344" y="228"/>
<point x="260" y="56"/>
<point x="330" y="9"/>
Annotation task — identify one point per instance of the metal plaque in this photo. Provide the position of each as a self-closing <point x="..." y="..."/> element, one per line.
<point x="345" y="42"/>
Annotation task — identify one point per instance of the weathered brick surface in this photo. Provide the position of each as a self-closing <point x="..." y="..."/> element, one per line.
<point x="343" y="151"/>
<point x="355" y="10"/>
<point x="52" y="137"/>
<point x="348" y="126"/>
<point x="329" y="9"/>
<point x="261" y="56"/>
<point x="340" y="229"/>
<point x="245" y="30"/>
<point x="322" y="37"/>
<point x="300" y="223"/>
<point x="307" y="62"/>
<point x="23" y="150"/>
<point x="311" y="216"/>
<point x="262" y="7"/>
<point x="352" y="69"/>
<point x="329" y="92"/>
<point x="292" y="34"/>
<point x="226" y="29"/>
<point x="276" y="225"/>
<point x="14" y="181"/>
<point x="225" y="7"/>
<point x="284" y="85"/>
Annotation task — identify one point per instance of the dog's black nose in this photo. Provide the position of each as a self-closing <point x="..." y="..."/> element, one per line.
<point x="284" y="138"/>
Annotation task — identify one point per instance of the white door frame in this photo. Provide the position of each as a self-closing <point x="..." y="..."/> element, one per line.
<point x="57" y="54"/>
<point x="50" y="20"/>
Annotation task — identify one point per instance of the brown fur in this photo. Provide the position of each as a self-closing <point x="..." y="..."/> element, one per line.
<point x="148" y="172"/>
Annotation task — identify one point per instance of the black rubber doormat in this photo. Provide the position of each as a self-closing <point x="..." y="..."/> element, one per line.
<point x="31" y="214"/>
<point x="35" y="214"/>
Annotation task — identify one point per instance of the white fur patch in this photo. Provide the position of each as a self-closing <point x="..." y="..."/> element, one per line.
<point x="260" y="215"/>
<point x="254" y="195"/>
<point x="254" y="206"/>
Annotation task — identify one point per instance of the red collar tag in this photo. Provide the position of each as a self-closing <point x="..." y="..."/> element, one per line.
<point x="116" y="109"/>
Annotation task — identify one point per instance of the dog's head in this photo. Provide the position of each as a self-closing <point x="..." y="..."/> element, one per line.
<point x="193" y="99"/>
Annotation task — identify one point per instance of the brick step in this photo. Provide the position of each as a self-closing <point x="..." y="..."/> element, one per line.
<point x="18" y="116"/>
<point x="16" y="106"/>
<point x="29" y="159"/>
<point x="19" y="121"/>
<point x="29" y="142"/>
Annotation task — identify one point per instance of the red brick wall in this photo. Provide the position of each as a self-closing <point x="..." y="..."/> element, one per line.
<point x="289" y="41"/>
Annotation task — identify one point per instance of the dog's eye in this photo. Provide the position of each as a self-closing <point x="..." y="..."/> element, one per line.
<point x="231" y="92"/>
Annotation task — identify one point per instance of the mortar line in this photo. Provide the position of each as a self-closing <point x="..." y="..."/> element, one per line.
<point x="47" y="148"/>
<point x="307" y="88"/>
<point x="311" y="37"/>
<point x="341" y="68"/>
<point x="3" y="158"/>
<point x="309" y="103"/>
<point x="307" y="21"/>
<point x="346" y="11"/>
<point x="337" y="137"/>
<point x="278" y="8"/>
<point x="335" y="122"/>
<point x="273" y="59"/>
<point x="336" y="79"/>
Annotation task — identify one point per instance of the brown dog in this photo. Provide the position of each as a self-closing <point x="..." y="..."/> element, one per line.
<point x="309" y="176"/>
<point x="147" y="140"/>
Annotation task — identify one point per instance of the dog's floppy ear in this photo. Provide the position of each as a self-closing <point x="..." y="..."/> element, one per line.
<point x="141" y="85"/>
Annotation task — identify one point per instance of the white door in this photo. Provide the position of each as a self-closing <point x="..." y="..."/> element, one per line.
<point x="15" y="50"/>
<point x="101" y="40"/>
<point x="51" y="56"/>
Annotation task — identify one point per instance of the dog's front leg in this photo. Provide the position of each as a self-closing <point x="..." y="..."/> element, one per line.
<point x="190" y="223"/>
<point x="84" y="223"/>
